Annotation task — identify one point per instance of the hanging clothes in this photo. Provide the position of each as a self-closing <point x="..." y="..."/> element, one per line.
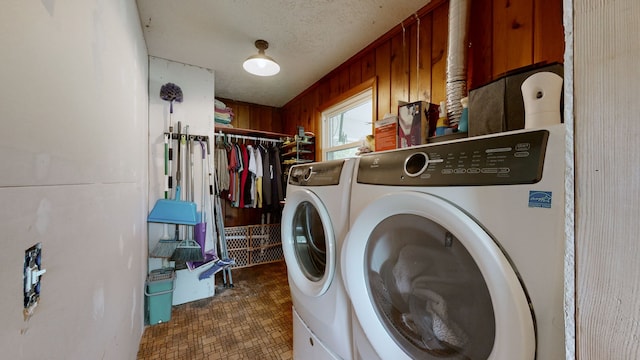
<point x="267" y="176"/>
<point x="250" y="187"/>
<point x="277" y="191"/>
<point x="233" y="171"/>
<point x="244" y="175"/>
<point x="253" y="176"/>
<point x="257" y="201"/>
<point x="221" y="160"/>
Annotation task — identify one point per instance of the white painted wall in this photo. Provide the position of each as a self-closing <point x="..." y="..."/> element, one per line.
<point x="73" y="176"/>
<point x="607" y="133"/>
<point x="197" y="111"/>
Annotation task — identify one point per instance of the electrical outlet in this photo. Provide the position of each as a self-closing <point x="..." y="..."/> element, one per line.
<point x="31" y="276"/>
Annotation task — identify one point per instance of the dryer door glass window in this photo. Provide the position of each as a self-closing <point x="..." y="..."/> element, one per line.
<point x="309" y="241"/>
<point x="428" y="291"/>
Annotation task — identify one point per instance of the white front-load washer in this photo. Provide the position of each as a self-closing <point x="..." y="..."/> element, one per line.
<point x="315" y="220"/>
<point x="455" y="249"/>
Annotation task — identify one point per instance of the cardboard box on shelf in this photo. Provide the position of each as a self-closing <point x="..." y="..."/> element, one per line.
<point x="416" y="122"/>
<point x="386" y="132"/>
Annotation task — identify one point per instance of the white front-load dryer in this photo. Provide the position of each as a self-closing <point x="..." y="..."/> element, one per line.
<point x="315" y="221"/>
<point x="456" y="249"/>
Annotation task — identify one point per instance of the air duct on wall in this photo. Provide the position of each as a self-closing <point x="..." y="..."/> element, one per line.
<point x="456" y="87"/>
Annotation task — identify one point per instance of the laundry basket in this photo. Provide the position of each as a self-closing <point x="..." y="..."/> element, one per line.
<point x="159" y="291"/>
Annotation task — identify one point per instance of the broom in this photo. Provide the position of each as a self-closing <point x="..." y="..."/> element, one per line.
<point x="166" y="246"/>
<point x="188" y="249"/>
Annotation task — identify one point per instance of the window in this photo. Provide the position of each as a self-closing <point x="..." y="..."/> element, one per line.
<point x="347" y="122"/>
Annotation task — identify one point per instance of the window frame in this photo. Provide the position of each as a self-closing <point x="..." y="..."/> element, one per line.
<point x="368" y="85"/>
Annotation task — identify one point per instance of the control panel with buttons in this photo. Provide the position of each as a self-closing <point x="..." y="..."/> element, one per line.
<point x="502" y="159"/>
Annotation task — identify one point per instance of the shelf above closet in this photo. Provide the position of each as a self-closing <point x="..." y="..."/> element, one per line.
<point x="250" y="132"/>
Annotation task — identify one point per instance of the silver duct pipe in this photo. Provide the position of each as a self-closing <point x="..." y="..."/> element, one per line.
<point x="456" y="87"/>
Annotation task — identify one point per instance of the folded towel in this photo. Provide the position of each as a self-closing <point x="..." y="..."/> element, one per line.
<point x="219" y="104"/>
<point x="222" y="115"/>
<point x="222" y="121"/>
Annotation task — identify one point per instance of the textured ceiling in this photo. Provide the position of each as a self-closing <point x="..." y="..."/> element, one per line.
<point x="308" y="38"/>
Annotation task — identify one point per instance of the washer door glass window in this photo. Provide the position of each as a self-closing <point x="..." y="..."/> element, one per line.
<point x="427" y="282"/>
<point x="428" y="291"/>
<point x="309" y="241"/>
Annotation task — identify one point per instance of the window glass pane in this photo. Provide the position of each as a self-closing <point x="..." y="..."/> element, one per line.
<point x="310" y="241"/>
<point x="341" y="154"/>
<point x="350" y="126"/>
<point x="345" y="125"/>
<point x="428" y="291"/>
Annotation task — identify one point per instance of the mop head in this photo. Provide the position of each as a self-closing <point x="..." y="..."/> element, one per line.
<point x="187" y="250"/>
<point x="171" y="92"/>
<point x="219" y="265"/>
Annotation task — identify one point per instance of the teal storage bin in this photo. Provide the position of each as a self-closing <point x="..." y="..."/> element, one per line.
<point x="159" y="294"/>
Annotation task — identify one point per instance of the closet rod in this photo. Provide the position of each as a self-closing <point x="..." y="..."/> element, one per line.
<point x="221" y="134"/>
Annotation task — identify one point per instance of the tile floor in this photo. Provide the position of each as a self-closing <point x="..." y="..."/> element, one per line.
<point x="252" y="320"/>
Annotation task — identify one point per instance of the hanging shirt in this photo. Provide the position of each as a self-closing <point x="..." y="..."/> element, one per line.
<point x="251" y="179"/>
<point x="221" y="162"/>
<point x="276" y="184"/>
<point x="232" y="170"/>
<point x="267" y="176"/>
<point x="244" y="174"/>
<point x="257" y="203"/>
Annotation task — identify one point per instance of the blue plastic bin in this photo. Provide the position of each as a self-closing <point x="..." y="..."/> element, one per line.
<point x="159" y="294"/>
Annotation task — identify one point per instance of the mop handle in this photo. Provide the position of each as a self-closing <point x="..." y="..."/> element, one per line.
<point x="202" y="214"/>
<point x="166" y="166"/>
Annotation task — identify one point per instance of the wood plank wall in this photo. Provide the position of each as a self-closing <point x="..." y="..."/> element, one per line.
<point x="503" y="35"/>
<point x="607" y="179"/>
<point x="254" y="116"/>
<point x="409" y="63"/>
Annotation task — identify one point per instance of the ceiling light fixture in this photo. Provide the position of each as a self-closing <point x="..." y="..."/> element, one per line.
<point x="261" y="64"/>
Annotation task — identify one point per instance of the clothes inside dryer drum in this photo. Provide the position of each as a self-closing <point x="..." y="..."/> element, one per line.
<point x="428" y="291"/>
<point x="309" y="241"/>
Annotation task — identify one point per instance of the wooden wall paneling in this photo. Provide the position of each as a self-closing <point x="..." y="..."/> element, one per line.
<point x="368" y="64"/>
<point x="343" y="80"/>
<point x="291" y="121"/>
<point x="234" y="216"/>
<point x="512" y="35"/>
<point x="439" y="40"/>
<point x="277" y="121"/>
<point x="399" y="69"/>
<point x="257" y="117"/>
<point x="306" y="109"/>
<point x="286" y="119"/>
<point x="254" y="116"/>
<point x="355" y="73"/>
<point x="420" y="64"/>
<point x="499" y="44"/>
<point x="242" y="117"/>
<point x="324" y="90"/>
<point x="334" y="85"/>
<point x="501" y="36"/>
<point x="548" y="31"/>
<point x="313" y="103"/>
<point x="267" y="118"/>
<point x="296" y="115"/>
<point x="383" y="73"/>
<point x="479" y="55"/>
